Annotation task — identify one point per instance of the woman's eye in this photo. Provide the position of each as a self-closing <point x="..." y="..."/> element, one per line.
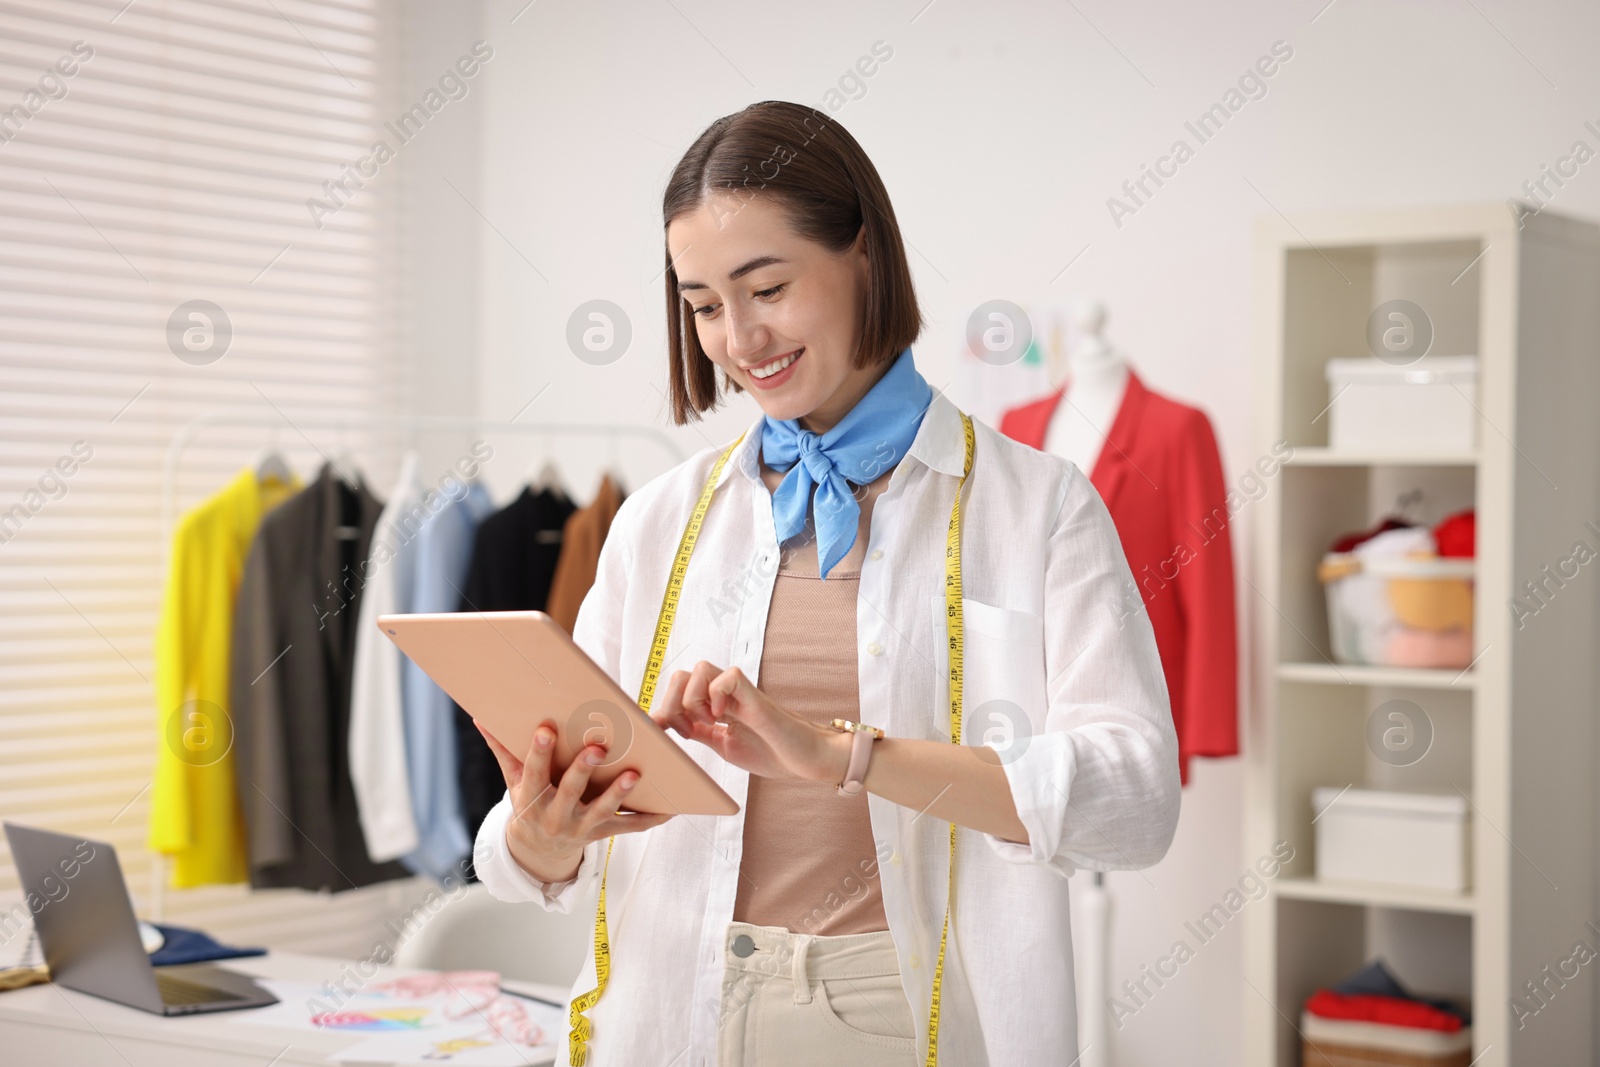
<point x="705" y="310"/>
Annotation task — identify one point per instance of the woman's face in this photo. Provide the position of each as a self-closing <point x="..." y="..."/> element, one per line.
<point x="779" y="314"/>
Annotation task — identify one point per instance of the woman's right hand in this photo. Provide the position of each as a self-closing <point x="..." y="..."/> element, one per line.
<point x="550" y="824"/>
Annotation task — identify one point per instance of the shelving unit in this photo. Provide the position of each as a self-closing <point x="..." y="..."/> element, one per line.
<point x="1514" y="732"/>
<point x="1376" y="896"/>
<point x="1395" y="677"/>
<point x="1329" y="457"/>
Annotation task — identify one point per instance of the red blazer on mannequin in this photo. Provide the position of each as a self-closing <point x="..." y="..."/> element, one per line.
<point x="1160" y="476"/>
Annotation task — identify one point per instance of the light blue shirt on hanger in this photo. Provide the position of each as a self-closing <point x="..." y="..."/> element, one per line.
<point x="442" y="554"/>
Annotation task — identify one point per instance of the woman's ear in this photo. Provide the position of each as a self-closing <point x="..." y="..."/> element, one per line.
<point x="864" y="263"/>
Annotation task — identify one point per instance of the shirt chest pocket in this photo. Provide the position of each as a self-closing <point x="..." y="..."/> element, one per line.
<point x="1003" y="692"/>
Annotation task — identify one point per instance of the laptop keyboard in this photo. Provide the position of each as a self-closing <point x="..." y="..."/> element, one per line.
<point x="178" y="991"/>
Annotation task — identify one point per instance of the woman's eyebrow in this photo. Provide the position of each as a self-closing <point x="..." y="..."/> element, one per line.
<point x="737" y="273"/>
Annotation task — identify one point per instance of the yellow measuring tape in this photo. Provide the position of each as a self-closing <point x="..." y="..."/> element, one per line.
<point x="581" y="1026"/>
<point x="955" y="632"/>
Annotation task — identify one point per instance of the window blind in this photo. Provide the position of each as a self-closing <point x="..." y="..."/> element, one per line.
<point x="158" y="260"/>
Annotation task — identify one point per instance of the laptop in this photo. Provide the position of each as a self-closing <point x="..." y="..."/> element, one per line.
<point x="85" y="924"/>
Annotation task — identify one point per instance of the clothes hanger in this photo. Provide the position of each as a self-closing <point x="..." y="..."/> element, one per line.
<point x="410" y="461"/>
<point x="344" y="462"/>
<point x="548" y="478"/>
<point x="613" y="468"/>
<point x="1407" y="508"/>
<point x="270" y="464"/>
<point x="344" y="466"/>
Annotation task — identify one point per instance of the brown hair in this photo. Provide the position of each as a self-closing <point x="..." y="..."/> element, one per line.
<point x="828" y="189"/>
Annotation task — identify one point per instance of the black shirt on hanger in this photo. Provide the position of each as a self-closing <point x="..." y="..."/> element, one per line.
<point x="514" y="555"/>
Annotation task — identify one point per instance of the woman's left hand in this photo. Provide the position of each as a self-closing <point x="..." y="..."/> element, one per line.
<point x="723" y="710"/>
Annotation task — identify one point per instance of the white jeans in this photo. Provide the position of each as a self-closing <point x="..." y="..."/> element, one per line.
<point x="799" y="999"/>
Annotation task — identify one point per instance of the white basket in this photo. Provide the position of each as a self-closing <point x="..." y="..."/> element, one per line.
<point x="1399" y="612"/>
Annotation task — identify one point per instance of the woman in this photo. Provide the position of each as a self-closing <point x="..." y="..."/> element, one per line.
<point x="813" y="925"/>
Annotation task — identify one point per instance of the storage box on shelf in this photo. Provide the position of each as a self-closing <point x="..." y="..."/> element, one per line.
<point x="1511" y="733"/>
<point x="1416" y="840"/>
<point x="1426" y="404"/>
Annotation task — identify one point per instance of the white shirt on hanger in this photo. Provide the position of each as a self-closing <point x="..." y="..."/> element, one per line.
<point x="1054" y="630"/>
<point x="378" y="770"/>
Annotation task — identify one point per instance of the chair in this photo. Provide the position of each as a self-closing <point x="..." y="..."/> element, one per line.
<point x="474" y="931"/>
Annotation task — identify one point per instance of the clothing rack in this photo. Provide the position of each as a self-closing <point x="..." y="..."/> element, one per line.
<point x="300" y="422"/>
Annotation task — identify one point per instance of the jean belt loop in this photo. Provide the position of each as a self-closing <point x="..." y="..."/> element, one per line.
<point x="802" y="984"/>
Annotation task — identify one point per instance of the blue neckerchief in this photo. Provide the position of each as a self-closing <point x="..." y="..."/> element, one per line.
<point x="869" y="440"/>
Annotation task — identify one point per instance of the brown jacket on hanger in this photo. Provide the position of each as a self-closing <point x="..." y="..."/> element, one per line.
<point x="585" y="532"/>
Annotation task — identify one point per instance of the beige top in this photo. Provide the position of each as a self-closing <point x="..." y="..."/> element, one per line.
<point x="809" y="862"/>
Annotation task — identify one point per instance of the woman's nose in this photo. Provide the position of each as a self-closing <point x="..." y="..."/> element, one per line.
<point x="746" y="337"/>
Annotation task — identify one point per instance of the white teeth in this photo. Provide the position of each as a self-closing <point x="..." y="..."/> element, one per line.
<point x="773" y="368"/>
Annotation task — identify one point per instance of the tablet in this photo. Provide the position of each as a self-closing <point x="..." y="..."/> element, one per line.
<point x="512" y="670"/>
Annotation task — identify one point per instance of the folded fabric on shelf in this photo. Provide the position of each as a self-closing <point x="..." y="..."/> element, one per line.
<point x="1374" y="995"/>
<point x="1428" y="649"/>
<point x="1376" y="978"/>
<point x="1348" y="542"/>
<point x="1399" y="543"/>
<point x="1457" y="534"/>
<point x="1391" y="1011"/>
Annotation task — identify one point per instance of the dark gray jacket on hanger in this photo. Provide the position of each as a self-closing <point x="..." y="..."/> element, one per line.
<point x="289" y="685"/>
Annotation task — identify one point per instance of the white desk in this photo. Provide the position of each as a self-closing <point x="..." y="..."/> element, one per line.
<point x="48" y="1026"/>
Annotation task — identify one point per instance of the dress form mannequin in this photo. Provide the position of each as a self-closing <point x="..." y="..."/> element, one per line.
<point x="1096" y="377"/>
<point x="1155" y="463"/>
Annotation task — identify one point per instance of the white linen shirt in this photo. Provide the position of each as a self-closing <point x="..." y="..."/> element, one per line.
<point x="1062" y="677"/>
<point x="379" y="773"/>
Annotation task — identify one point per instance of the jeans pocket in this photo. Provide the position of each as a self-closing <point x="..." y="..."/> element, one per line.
<point x="872" y="1009"/>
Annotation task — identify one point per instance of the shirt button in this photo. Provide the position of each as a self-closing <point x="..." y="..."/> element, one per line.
<point x="916" y="962"/>
<point x="874" y="649"/>
<point x="894" y="858"/>
<point x="876" y="553"/>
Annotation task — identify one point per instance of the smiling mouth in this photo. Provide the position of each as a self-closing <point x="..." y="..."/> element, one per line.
<point x="767" y="370"/>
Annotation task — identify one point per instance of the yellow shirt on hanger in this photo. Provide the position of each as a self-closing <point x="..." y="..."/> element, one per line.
<point x="194" y="811"/>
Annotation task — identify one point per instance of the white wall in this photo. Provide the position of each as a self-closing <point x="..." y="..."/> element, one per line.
<point x="1001" y="130"/>
<point x="441" y="255"/>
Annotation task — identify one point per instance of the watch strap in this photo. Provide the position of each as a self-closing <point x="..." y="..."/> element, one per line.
<point x="860" y="756"/>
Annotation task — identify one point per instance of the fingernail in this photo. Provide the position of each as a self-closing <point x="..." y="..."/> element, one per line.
<point x="628" y="780"/>
<point x="593" y="757"/>
<point x="542" y="738"/>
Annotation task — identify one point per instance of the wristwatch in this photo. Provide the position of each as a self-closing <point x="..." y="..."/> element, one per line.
<point x="860" y="754"/>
